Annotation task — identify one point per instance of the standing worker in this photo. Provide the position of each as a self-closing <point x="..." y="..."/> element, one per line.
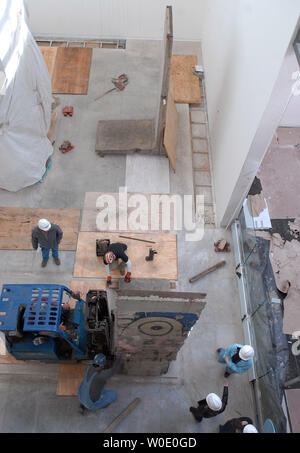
<point x="91" y="393"/>
<point x="115" y="252"/>
<point x="47" y="236"/>
<point x="238" y="358"/>
<point x="238" y="425"/>
<point x="211" y="406"/>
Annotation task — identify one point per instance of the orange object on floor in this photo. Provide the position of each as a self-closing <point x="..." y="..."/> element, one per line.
<point x="68" y="110"/>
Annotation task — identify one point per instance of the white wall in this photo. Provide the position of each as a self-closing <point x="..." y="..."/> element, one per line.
<point x="113" y="18"/>
<point x="244" y="43"/>
<point x="291" y="116"/>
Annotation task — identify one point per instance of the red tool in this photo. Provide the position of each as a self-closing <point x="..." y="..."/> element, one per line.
<point x="66" y="146"/>
<point x="68" y="110"/>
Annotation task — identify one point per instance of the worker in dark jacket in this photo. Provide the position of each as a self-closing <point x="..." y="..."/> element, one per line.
<point x="238" y="425"/>
<point x="91" y="393"/>
<point x="211" y="406"/>
<point x="47" y="236"/>
<point x="115" y="252"/>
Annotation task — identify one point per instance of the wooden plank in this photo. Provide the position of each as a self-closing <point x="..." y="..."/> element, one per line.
<point x="171" y="129"/>
<point x="122" y="415"/>
<point x="72" y="70"/>
<point x="186" y="84"/>
<point x="49" y="54"/>
<point x="207" y="271"/>
<point x="164" y="266"/>
<point x="52" y="125"/>
<point x="83" y="287"/>
<point x="17" y="223"/>
<point x="69" y="378"/>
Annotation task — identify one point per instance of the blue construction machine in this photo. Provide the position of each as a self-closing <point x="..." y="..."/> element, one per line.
<point x="39" y="323"/>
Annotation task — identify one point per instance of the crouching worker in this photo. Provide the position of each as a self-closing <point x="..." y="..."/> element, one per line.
<point x="116" y="252"/>
<point x="91" y="393"/>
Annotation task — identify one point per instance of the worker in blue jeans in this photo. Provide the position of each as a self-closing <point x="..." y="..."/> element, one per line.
<point x="91" y="393"/>
<point x="47" y="236"/>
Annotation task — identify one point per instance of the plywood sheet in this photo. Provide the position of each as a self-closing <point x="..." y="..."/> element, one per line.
<point x="83" y="287"/>
<point x="186" y="84"/>
<point x="164" y="266"/>
<point x="69" y="378"/>
<point x="49" y="54"/>
<point x="171" y="129"/>
<point x="90" y="212"/>
<point x="72" y="70"/>
<point x="17" y="223"/>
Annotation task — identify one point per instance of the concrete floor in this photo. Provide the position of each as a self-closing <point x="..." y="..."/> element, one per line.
<point x="28" y="401"/>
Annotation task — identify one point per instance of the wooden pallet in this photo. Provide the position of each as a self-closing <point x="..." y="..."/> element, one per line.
<point x="186" y="84"/>
<point x="17" y="223"/>
<point x="164" y="266"/>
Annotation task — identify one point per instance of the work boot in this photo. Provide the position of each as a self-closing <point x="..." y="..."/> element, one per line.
<point x="219" y="350"/>
<point x="57" y="261"/>
<point x="44" y="263"/>
<point x="226" y="374"/>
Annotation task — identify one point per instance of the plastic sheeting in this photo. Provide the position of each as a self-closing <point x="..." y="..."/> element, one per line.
<point x="25" y="105"/>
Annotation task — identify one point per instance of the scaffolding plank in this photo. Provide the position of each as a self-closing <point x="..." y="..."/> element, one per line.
<point x="164" y="265"/>
<point x="72" y="70"/>
<point x="17" y="224"/>
<point x="186" y="84"/>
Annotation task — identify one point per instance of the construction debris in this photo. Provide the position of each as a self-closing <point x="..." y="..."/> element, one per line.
<point x="119" y="85"/>
<point x="150" y="257"/>
<point x="68" y="110"/>
<point x="122" y="415"/>
<point x="207" y="271"/>
<point x="222" y="246"/>
<point x="66" y="146"/>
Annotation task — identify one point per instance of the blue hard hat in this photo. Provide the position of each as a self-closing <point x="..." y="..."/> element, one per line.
<point x="99" y="360"/>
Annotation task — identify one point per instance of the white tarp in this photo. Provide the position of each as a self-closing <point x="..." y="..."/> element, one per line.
<point x="25" y="101"/>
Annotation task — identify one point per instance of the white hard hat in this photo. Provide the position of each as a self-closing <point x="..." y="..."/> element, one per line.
<point x="44" y="225"/>
<point x="246" y="352"/>
<point x="214" y="402"/>
<point x="250" y="429"/>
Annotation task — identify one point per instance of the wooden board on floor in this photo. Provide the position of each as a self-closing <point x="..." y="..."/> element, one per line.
<point x="49" y="54"/>
<point x="164" y="266"/>
<point x="171" y="129"/>
<point x="69" y="378"/>
<point x="83" y="287"/>
<point x="17" y="223"/>
<point x="186" y="84"/>
<point x="72" y="70"/>
<point x="91" y="211"/>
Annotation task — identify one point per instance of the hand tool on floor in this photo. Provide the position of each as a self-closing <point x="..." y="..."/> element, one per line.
<point x="222" y="246"/>
<point x="122" y="415"/>
<point x="119" y="85"/>
<point x="68" y="110"/>
<point x="136" y="239"/>
<point x="66" y="146"/>
<point x="150" y="257"/>
<point x="207" y="271"/>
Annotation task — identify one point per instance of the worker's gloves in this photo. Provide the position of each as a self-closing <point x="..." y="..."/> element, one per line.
<point x="127" y="278"/>
<point x="108" y="281"/>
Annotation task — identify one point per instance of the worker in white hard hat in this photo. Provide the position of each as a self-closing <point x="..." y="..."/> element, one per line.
<point x="238" y="425"/>
<point x="210" y="406"/>
<point x="47" y="236"/>
<point x="238" y="358"/>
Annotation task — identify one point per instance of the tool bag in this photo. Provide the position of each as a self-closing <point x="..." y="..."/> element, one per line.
<point x="102" y="246"/>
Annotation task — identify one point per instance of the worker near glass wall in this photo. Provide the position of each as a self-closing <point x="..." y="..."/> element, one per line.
<point x="91" y="393"/>
<point x="238" y="425"/>
<point x="211" y="406"/>
<point x="116" y="252"/>
<point x="238" y="358"/>
<point x="47" y="236"/>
